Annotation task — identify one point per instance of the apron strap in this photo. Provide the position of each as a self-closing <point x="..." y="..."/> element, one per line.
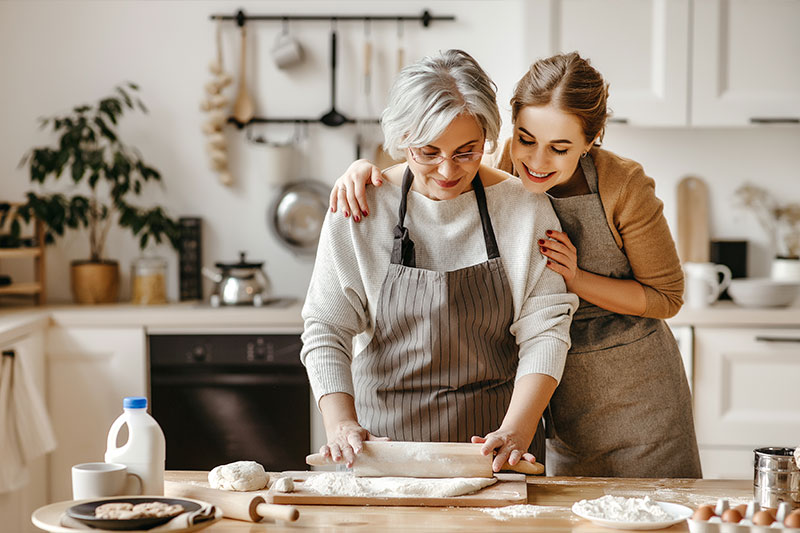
<point x="403" y="247"/>
<point x="589" y="172"/>
<point x="492" y="251"/>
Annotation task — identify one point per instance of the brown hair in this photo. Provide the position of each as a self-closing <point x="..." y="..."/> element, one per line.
<point x="569" y="82"/>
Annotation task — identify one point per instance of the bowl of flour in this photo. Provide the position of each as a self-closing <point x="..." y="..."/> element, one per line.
<point x="631" y="513"/>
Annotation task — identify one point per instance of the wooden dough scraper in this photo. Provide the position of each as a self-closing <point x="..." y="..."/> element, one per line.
<point x="424" y="459"/>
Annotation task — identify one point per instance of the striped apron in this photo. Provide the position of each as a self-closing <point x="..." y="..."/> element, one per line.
<point x="623" y="407"/>
<point x="442" y="362"/>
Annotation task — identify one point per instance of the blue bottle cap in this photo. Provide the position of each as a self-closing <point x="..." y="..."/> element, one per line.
<point x="134" y="402"/>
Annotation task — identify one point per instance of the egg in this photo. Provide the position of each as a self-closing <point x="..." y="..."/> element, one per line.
<point x="793" y="520"/>
<point x="762" y="518"/>
<point x="703" y="513"/>
<point x="732" y="515"/>
<point x="742" y="509"/>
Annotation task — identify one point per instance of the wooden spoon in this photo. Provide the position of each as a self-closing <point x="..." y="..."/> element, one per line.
<point x="243" y="108"/>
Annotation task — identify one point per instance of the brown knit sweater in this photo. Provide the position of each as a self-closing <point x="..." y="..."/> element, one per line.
<point x="635" y="216"/>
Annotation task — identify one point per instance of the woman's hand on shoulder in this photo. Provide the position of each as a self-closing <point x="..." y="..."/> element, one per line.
<point x="349" y="190"/>
<point x="561" y="254"/>
<point x="507" y="447"/>
<point x="346" y="441"/>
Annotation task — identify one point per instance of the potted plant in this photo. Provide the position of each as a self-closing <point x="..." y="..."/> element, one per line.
<point x="104" y="175"/>
<point x="782" y="224"/>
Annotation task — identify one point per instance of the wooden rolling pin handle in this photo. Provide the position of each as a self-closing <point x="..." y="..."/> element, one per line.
<point x="276" y="512"/>
<point x="317" y="459"/>
<point x="525" y="467"/>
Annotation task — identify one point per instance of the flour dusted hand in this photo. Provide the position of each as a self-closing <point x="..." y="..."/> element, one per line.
<point x="507" y="446"/>
<point x="239" y="476"/>
<point x="797" y="456"/>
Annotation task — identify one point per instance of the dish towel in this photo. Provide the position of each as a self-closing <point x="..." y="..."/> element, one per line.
<point x="25" y="429"/>
<point x="179" y="523"/>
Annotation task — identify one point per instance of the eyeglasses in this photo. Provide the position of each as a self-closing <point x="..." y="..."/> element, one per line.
<point x="433" y="160"/>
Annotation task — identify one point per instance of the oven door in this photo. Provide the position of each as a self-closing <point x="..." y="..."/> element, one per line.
<point x="214" y="416"/>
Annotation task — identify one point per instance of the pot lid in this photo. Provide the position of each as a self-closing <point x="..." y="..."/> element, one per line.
<point x="243" y="263"/>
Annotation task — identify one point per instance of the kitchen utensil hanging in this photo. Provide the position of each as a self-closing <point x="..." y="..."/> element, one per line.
<point x="243" y="108"/>
<point x="333" y="118"/>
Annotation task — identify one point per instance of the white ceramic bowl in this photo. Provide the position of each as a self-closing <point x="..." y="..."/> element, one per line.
<point x="763" y="292"/>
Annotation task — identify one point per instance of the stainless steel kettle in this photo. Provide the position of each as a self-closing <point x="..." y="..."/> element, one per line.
<point x="242" y="283"/>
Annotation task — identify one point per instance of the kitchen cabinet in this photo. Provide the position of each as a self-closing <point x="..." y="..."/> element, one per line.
<point x="640" y="47"/>
<point x="745" y="395"/>
<point x="745" y="56"/>
<point x="684" y="62"/>
<point x="16" y="506"/>
<point x="90" y="371"/>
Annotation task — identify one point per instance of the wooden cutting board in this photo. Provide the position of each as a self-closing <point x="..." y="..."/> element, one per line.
<point x="510" y="489"/>
<point x="694" y="243"/>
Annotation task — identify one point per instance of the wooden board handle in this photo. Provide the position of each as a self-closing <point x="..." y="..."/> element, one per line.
<point x="236" y="505"/>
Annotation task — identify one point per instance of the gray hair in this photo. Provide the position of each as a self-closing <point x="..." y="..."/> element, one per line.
<point x="429" y="94"/>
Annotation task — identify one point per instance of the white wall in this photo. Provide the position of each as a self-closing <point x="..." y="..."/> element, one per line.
<point x="56" y="54"/>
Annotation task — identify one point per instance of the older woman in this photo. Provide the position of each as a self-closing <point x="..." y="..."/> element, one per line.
<point x="441" y="322"/>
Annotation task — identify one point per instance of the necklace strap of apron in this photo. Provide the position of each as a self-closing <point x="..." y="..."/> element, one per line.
<point x="403" y="247"/>
<point x="492" y="251"/>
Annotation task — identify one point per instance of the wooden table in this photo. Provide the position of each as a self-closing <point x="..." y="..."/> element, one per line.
<point x="555" y="494"/>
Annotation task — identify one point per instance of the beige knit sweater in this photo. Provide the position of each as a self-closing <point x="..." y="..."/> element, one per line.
<point x="635" y="216"/>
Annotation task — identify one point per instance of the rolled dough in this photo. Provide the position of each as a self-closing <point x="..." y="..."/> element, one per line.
<point x="347" y="484"/>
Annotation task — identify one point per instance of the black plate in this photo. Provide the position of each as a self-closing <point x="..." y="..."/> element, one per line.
<point x="84" y="512"/>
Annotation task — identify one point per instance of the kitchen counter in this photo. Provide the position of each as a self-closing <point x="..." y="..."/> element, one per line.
<point x="15" y="321"/>
<point x="555" y="494"/>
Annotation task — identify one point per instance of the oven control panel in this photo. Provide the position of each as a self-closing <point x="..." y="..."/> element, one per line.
<point x="230" y="349"/>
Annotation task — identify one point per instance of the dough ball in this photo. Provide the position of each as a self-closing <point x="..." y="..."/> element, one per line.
<point x="240" y="476"/>
<point x="284" y="484"/>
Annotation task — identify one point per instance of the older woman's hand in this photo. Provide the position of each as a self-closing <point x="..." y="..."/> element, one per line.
<point x="507" y="446"/>
<point x="345" y="442"/>
<point x="349" y="191"/>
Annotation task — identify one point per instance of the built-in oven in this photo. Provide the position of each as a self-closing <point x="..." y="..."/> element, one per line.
<point x="222" y="397"/>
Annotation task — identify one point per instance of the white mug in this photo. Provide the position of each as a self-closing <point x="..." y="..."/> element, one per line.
<point x="286" y="51"/>
<point x="703" y="284"/>
<point x="98" y="480"/>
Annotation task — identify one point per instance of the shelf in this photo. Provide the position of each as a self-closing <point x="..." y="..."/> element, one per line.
<point x="22" y="288"/>
<point x="12" y="253"/>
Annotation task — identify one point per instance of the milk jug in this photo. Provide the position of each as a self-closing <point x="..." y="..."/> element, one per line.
<point x="145" y="452"/>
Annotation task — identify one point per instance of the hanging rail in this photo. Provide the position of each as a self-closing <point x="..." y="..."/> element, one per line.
<point x="425" y="19"/>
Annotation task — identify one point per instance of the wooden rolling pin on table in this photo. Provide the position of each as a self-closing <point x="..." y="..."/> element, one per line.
<point x="236" y="505"/>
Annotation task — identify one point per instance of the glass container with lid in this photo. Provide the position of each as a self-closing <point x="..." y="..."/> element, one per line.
<point x="149" y="280"/>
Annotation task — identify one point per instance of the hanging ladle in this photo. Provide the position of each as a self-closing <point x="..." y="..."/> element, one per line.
<point x="333" y="117"/>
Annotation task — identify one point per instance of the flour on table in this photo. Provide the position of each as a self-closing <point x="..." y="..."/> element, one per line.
<point x="347" y="484"/>
<point x="238" y="476"/>
<point x="520" y="511"/>
<point x="622" y="509"/>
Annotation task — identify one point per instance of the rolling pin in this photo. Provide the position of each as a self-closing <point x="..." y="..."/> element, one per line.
<point x="425" y="459"/>
<point x="236" y="505"/>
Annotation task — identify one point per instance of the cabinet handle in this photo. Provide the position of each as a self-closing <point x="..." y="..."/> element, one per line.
<point x="9" y="353"/>
<point x="777" y="339"/>
<point x="619" y="120"/>
<point x="776" y="120"/>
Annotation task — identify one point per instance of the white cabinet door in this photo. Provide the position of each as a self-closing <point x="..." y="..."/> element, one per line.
<point x="16" y="507"/>
<point x="640" y="46"/>
<point x="746" y="62"/>
<point x="90" y="371"/>
<point x="746" y="384"/>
